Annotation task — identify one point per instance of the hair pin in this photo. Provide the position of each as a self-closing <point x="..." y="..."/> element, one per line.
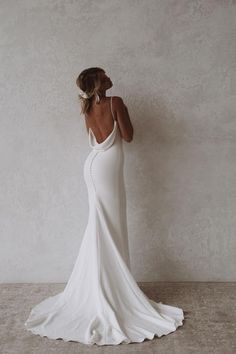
<point x="83" y="94"/>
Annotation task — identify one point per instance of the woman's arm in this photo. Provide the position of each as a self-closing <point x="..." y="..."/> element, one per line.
<point x="123" y="118"/>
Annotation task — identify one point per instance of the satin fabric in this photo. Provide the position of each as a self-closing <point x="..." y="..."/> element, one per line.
<point x="101" y="302"/>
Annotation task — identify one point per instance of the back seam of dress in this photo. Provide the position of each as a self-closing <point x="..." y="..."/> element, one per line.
<point x="90" y="170"/>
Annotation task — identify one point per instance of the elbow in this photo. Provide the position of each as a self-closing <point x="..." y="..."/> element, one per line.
<point x="129" y="138"/>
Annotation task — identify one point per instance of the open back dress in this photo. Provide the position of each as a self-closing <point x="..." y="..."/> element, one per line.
<point x="101" y="302"/>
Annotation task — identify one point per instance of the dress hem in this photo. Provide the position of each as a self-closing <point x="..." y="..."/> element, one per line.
<point x="123" y="341"/>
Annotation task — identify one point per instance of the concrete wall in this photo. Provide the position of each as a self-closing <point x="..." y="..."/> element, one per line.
<point x="173" y="62"/>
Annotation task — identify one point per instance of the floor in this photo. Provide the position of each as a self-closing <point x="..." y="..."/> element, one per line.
<point x="209" y="326"/>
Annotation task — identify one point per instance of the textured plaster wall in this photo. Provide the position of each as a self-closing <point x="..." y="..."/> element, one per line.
<point x="173" y="62"/>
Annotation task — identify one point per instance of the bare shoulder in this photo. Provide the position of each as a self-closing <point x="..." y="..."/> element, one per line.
<point x="118" y="105"/>
<point x="117" y="101"/>
<point x="123" y="118"/>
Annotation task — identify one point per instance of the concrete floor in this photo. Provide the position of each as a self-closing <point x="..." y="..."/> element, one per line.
<point x="209" y="326"/>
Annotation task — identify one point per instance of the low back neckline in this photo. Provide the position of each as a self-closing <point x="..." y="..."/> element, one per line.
<point x="108" y="141"/>
<point x="114" y="125"/>
<point x="90" y="130"/>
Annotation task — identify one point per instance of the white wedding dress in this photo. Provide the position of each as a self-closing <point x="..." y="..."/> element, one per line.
<point x="102" y="303"/>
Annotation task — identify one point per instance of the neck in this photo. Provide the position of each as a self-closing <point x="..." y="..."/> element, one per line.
<point x="102" y="94"/>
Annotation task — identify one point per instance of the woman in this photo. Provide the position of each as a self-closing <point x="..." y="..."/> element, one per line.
<point x="101" y="302"/>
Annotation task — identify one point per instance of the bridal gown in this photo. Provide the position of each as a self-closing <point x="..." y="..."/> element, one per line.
<point x="102" y="303"/>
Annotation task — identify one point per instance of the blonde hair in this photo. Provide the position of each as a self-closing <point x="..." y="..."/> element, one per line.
<point x="89" y="82"/>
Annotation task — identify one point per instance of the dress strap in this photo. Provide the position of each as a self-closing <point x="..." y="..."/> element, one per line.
<point x="111" y="108"/>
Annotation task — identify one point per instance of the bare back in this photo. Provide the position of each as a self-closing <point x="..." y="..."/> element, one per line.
<point x="101" y="117"/>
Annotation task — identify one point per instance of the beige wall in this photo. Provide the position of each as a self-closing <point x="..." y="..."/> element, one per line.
<point x="173" y="62"/>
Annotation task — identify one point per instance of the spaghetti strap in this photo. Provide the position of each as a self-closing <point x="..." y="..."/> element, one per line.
<point x="111" y="108"/>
